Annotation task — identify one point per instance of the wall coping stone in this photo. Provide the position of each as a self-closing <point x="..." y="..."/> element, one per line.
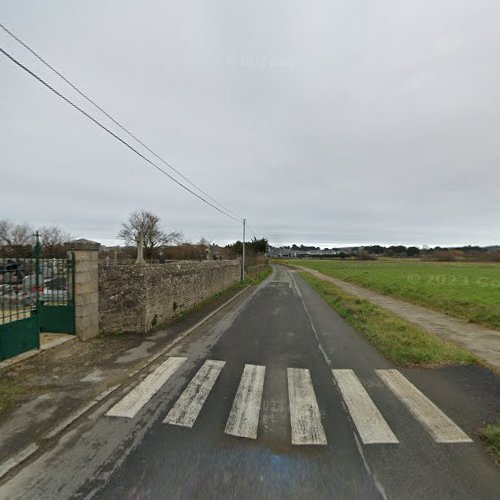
<point x="82" y="244"/>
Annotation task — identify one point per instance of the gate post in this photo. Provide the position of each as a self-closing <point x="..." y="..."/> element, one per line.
<point x="86" y="292"/>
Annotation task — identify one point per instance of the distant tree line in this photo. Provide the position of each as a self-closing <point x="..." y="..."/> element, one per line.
<point x="253" y="246"/>
<point x="18" y="240"/>
<point x="255" y="250"/>
<point x="368" y="252"/>
<point x="435" y="253"/>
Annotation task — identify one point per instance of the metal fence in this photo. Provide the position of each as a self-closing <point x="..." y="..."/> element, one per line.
<point x="18" y="289"/>
<point x="23" y="285"/>
<point x="36" y="295"/>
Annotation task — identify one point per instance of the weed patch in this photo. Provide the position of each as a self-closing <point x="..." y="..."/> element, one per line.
<point x="491" y="435"/>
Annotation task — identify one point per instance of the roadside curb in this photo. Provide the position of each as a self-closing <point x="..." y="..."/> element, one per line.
<point x="9" y="464"/>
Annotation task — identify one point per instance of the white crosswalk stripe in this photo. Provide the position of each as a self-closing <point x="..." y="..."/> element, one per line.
<point x="369" y="422"/>
<point x="243" y="420"/>
<point x="439" y="426"/>
<point x="191" y="401"/>
<point x="130" y="405"/>
<point x="305" y="418"/>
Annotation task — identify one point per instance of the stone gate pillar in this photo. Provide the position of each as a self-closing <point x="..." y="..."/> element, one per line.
<point x="86" y="287"/>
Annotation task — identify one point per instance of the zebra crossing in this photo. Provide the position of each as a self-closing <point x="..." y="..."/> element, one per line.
<point x="131" y="404"/>
<point x="243" y="420"/>
<point x="305" y="418"/>
<point x="371" y="425"/>
<point x="188" y="406"/>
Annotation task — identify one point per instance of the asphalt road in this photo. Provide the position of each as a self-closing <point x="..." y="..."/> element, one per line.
<point x="276" y="397"/>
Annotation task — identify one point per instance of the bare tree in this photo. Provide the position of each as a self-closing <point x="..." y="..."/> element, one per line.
<point x="52" y="239"/>
<point x="4" y="230"/>
<point x="150" y="225"/>
<point x="15" y="235"/>
<point x="19" y="239"/>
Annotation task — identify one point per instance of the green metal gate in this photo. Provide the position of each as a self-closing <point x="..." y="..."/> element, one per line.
<point x="36" y="295"/>
<point x="56" y="308"/>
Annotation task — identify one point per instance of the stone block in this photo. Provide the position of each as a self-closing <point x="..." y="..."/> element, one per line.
<point x="88" y="298"/>
<point x="85" y="266"/>
<point x="88" y="309"/>
<point x="82" y="277"/>
<point x="84" y="288"/>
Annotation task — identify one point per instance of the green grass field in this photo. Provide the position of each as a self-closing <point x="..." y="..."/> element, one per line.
<point x="466" y="290"/>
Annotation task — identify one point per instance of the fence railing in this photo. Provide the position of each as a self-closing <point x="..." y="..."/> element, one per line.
<point x="25" y="282"/>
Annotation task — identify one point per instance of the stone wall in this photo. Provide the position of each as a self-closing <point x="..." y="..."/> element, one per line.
<point x="136" y="298"/>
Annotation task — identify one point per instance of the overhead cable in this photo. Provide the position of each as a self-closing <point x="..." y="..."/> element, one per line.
<point x="110" y="132"/>
<point x="127" y="131"/>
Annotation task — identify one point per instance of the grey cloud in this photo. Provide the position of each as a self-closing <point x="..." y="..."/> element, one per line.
<point x="326" y="122"/>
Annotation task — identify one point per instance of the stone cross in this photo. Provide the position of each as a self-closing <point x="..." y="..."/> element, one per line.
<point x="140" y="249"/>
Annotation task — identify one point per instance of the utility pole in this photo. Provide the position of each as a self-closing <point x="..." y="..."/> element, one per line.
<point x="37" y="251"/>
<point x="243" y="253"/>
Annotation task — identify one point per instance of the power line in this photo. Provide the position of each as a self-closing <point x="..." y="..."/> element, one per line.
<point x="127" y="131"/>
<point x="125" y="143"/>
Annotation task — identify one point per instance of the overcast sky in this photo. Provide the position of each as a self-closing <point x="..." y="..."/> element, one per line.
<point x="332" y="122"/>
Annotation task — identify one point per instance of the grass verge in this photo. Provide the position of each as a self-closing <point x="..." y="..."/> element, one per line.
<point x="397" y="339"/>
<point x="255" y="280"/>
<point x="467" y="291"/>
<point x="491" y="436"/>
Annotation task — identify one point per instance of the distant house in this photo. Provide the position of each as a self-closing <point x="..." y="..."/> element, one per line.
<point x="288" y="253"/>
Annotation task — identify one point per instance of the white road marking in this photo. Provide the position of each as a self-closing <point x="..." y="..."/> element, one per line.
<point x="188" y="406"/>
<point x="369" y="422"/>
<point x="305" y="417"/>
<point x="243" y="420"/>
<point x="440" y="427"/>
<point x="130" y="405"/>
